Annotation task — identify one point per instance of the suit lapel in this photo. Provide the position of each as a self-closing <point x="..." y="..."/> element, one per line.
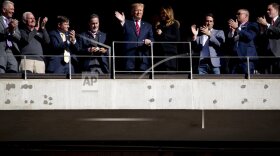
<point x="142" y="28"/>
<point x="244" y="26"/>
<point x="101" y="37"/>
<point x="201" y="39"/>
<point x="275" y="24"/>
<point x="2" y="21"/>
<point x="213" y="32"/>
<point x="58" y="36"/>
<point x="89" y="35"/>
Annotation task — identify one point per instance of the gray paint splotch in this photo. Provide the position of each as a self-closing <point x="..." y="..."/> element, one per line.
<point x="8" y="101"/>
<point x="26" y="86"/>
<point x="215" y="101"/>
<point x="244" y="101"/>
<point x="47" y="100"/>
<point x="30" y="102"/>
<point x="152" y="100"/>
<point x="10" y="86"/>
<point x="265" y="86"/>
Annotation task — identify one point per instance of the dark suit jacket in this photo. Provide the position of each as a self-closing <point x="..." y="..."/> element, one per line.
<point x="85" y="42"/>
<point x="146" y="32"/>
<point x="137" y="49"/>
<point x="4" y="35"/>
<point x="169" y="34"/>
<point x="273" y="35"/>
<point x="57" y="48"/>
<point x="245" y="45"/>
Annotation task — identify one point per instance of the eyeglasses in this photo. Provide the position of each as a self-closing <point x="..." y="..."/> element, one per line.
<point x="239" y="13"/>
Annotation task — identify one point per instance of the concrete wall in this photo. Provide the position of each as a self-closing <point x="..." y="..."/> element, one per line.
<point x="91" y="93"/>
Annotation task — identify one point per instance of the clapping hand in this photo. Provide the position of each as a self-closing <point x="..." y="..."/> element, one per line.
<point x="44" y="21"/>
<point x="262" y="21"/>
<point x="194" y="31"/>
<point x="72" y="36"/>
<point x="205" y="30"/>
<point x="13" y="25"/>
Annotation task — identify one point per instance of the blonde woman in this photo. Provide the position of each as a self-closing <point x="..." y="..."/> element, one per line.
<point x="167" y="30"/>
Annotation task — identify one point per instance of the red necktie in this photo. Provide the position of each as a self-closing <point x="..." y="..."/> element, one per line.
<point x="272" y="22"/>
<point x="137" y="27"/>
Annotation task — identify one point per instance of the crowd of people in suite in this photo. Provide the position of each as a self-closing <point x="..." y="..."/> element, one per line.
<point x="23" y="48"/>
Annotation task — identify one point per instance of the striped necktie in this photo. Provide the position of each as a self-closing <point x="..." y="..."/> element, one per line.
<point x="137" y="27"/>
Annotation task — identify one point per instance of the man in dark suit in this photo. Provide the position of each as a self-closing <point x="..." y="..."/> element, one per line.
<point x="64" y="45"/>
<point x="271" y="34"/>
<point x="140" y="36"/>
<point x="9" y="37"/>
<point x="243" y="34"/>
<point x="98" y="62"/>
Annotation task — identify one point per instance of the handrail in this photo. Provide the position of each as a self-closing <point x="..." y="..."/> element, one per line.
<point x="151" y="70"/>
<point x="152" y="56"/>
<point x="101" y="44"/>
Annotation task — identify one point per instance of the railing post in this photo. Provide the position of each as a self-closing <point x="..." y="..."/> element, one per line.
<point x="191" y="70"/>
<point x="248" y="67"/>
<point x="25" y="73"/>
<point x="152" y="59"/>
<point x="109" y="59"/>
<point x="70" y="69"/>
<point x="114" y="61"/>
<point x="202" y="119"/>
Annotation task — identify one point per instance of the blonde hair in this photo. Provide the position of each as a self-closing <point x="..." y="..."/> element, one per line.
<point x="135" y="5"/>
<point x="170" y="14"/>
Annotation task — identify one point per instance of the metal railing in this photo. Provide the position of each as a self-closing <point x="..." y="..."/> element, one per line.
<point x="152" y="56"/>
<point x="184" y="52"/>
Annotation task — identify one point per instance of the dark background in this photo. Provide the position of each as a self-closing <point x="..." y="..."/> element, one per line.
<point x="187" y="12"/>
